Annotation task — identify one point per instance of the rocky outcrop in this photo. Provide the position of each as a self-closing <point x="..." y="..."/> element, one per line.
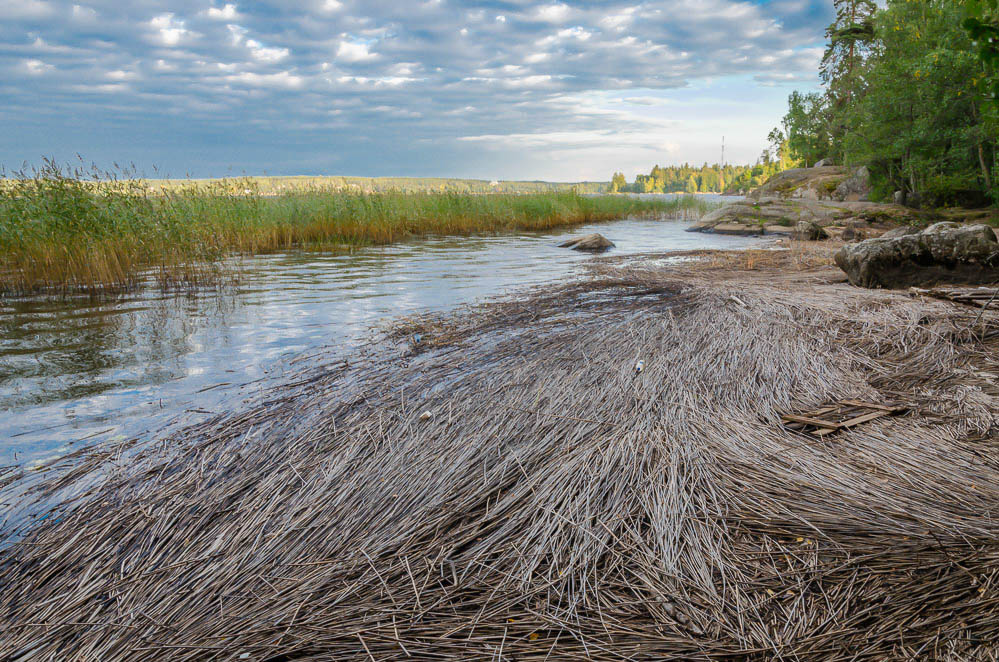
<point x="781" y="217"/>
<point x="595" y="243"/>
<point x="823" y="182"/>
<point x="942" y="253"/>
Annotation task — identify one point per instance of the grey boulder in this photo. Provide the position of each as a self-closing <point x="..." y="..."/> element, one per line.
<point x="942" y="253"/>
<point x="592" y="242"/>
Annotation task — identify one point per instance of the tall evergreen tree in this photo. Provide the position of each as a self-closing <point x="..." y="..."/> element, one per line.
<point x="849" y="41"/>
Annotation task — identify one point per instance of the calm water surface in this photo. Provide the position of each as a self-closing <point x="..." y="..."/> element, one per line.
<point x="78" y="371"/>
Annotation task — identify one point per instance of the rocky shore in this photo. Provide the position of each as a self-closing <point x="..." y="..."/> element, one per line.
<point x="818" y="203"/>
<point x="889" y="245"/>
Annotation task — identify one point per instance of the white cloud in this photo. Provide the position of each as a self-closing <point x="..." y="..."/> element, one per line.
<point x="37" y="67"/>
<point x="351" y="50"/>
<point x="552" y="13"/>
<point x="225" y="13"/>
<point x="170" y="30"/>
<point x="282" y="79"/>
<point x="122" y="75"/>
<point x="266" y="54"/>
<point x="619" y="21"/>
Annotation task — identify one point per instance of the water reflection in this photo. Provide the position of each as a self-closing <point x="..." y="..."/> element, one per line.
<point x="78" y="370"/>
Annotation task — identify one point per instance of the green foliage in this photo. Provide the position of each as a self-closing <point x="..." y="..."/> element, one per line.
<point x="982" y="24"/>
<point x="906" y="93"/>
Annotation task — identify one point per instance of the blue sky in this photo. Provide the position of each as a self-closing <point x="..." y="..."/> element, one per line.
<point x="453" y="88"/>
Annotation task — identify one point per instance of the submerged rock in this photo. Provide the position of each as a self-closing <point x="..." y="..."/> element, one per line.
<point x="942" y="253"/>
<point x="592" y="242"/>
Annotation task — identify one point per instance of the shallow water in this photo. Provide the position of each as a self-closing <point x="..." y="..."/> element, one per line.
<point x="77" y="371"/>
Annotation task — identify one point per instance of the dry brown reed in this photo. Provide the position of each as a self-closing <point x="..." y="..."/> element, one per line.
<point x="557" y="504"/>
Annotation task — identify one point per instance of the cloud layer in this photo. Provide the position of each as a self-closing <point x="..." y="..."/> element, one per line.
<point x="442" y="87"/>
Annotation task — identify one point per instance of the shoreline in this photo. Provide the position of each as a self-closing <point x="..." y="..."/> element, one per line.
<point x="551" y="480"/>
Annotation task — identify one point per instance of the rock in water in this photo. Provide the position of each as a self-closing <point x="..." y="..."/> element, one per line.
<point x="591" y="242"/>
<point x="942" y="253"/>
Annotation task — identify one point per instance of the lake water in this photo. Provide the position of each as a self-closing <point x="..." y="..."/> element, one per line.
<point x="78" y="371"/>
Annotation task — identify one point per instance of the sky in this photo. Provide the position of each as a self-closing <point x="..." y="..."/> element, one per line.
<point x="438" y="88"/>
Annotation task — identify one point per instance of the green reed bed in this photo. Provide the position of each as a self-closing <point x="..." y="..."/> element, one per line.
<point x="82" y="231"/>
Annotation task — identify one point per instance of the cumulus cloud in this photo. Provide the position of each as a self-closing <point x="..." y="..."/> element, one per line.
<point x="225" y="13"/>
<point x="444" y="73"/>
<point x="553" y="13"/>
<point x="170" y="30"/>
<point x="266" y="54"/>
<point x="354" y="50"/>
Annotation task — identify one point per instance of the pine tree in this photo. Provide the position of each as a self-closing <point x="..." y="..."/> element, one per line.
<point x="850" y="38"/>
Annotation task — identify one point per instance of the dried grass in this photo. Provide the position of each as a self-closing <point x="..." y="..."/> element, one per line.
<point x="558" y="504"/>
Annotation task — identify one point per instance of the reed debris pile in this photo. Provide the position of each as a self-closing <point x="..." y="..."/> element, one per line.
<point x="558" y="503"/>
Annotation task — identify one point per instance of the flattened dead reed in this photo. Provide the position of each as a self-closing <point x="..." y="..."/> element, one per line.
<point x="557" y="504"/>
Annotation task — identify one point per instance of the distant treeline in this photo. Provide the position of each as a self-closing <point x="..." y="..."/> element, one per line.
<point x="700" y="179"/>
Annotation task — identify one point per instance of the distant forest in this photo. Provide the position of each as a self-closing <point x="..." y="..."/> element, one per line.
<point x="701" y="179"/>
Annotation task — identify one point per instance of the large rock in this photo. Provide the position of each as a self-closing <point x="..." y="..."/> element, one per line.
<point x="595" y="243"/>
<point x="942" y="253"/>
<point x="823" y="182"/>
